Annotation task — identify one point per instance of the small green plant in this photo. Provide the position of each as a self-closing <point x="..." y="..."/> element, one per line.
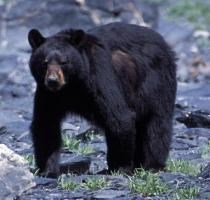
<point x="85" y="149"/>
<point x="91" y="135"/>
<point x="206" y="149"/>
<point x="75" y="145"/>
<point x="196" y="12"/>
<point x="186" y="193"/>
<point x="30" y="159"/>
<point x="95" y="183"/>
<point x="116" y="173"/>
<point x="31" y="162"/>
<point x="66" y="183"/>
<point x="183" y="166"/>
<point x="70" y="143"/>
<point x="147" y="183"/>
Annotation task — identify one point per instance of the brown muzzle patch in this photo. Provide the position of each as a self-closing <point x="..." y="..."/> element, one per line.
<point x="54" y="79"/>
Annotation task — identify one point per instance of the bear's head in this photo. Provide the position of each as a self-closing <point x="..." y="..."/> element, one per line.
<point x="56" y="59"/>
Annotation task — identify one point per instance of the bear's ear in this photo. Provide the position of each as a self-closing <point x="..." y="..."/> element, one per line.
<point x="78" y="37"/>
<point x="35" y="38"/>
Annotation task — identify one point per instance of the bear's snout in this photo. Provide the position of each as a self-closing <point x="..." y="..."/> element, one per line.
<point x="54" y="79"/>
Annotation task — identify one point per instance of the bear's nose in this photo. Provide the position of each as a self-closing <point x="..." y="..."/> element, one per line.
<point x="52" y="81"/>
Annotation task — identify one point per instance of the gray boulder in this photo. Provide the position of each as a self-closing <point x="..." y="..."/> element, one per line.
<point x="15" y="177"/>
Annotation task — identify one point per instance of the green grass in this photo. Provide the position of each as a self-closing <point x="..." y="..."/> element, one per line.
<point x="186" y="193"/>
<point x="206" y="149"/>
<point x="32" y="165"/>
<point x="70" y="142"/>
<point x="91" y="135"/>
<point x="116" y="173"/>
<point x="147" y="183"/>
<point x="30" y="159"/>
<point x="85" y="149"/>
<point x="196" y="12"/>
<point x="75" y="145"/>
<point x="66" y="183"/>
<point x="183" y="166"/>
<point x="95" y="183"/>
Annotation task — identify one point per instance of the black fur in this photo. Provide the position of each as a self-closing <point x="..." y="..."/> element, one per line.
<point x="134" y="109"/>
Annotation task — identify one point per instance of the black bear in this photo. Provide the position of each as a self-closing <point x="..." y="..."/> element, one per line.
<point x="121" y="77"/>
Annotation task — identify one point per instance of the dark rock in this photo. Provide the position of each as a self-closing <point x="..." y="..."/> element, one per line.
<point x="179" y="145"/>
<point x="110" y="194"/>
<point x="196" y="95"/>
<point x="178" y="179"/>
<point x="170" y="177"/>
<point x="44" y="181"/>
<point x="74" y="164"/>
<point x="3" y="130"/>
<point x="205" y="193"/>
<point x="191" y="156"/>
<point x="195" y="119"/>
<point x="197" y="132"/>
<point x="205" y="173"/>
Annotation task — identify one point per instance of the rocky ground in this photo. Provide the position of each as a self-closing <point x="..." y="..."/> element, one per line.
<point x="187" y="175"/>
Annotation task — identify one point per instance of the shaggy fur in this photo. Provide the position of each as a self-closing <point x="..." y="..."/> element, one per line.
<point x="121" y="77"/>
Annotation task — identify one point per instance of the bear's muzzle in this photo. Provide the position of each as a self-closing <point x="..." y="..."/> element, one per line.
<point x="54" y="79"/>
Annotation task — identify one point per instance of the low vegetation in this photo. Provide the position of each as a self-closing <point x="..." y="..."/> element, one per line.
<point x="66" y="182"/>
<point x="196" y="12"/>
<point x="186" y="193"/>
<point x="206" y="149"/>
<point x="95" y="183"/>
<point x="76" y="146"/>
<point x="147" y="183"/>
<point x="183" y="166"/>
<point x="31" y="163"/>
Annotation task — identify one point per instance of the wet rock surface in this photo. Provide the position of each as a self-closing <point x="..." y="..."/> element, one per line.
<point x="87" y="150"/>
<point x="15" y="178"/>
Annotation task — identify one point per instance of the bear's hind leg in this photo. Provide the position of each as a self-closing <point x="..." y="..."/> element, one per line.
<point x="120" y="143"/>
<point x="139" y="154"/>
<point x="154" y="144"/>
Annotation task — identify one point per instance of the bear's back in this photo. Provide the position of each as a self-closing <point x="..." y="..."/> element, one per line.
<point x="118" y="34"/>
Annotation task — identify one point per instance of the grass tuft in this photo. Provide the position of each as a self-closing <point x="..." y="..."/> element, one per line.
<point x="75" y="145"/>
<point x="147" y="183"/>
<point x="196" y="12"/>
<point x="117" y="173"/>
<point x="30" y="159"/>
<point x="95" y="183"/>
<point x="206" y="149"/>
<point x="66" y="183"/>
<point x="186" y="193"/>
<point x="183" y="166"/>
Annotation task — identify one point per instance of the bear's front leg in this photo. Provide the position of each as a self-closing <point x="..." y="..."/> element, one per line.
<point x="46" y="133"/>
<point x="120" y="145"/>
